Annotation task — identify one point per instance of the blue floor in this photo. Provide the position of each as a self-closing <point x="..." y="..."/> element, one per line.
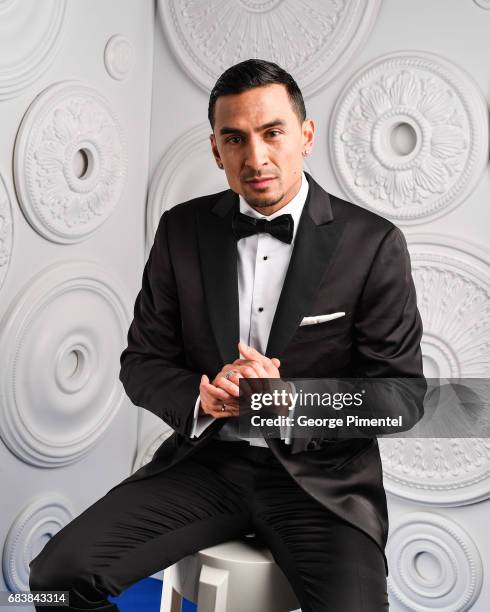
<point x="145" y="596"/>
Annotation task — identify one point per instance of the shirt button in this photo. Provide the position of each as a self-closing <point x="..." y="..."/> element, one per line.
<point x="260" y="309"/>
<point x="264" y="257"/>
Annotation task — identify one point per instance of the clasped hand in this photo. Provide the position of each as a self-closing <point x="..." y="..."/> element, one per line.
<point x="225" y="391"/>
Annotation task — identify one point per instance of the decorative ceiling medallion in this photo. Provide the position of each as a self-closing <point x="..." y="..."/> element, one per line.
<point x="409" y="136"/>
<point x="6" y="231"/>
<point x="69" y="162"/>
<point x="33" y="527"/>
<point x="30" y="36"/>
<point x="434" y="563"/>
<point x="312" y="39"/>
<point x="453" y="295"/>
<point x="119" y="57"/>
<point x="60" y="344"/>
<point x="452" y="279"/>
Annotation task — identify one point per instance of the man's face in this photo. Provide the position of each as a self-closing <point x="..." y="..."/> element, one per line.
<point x="257" y="135"/>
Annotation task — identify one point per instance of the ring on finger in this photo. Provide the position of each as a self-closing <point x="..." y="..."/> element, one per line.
<point x="229" y="373"/>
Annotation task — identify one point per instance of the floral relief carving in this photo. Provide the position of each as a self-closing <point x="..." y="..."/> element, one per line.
<point x="70" y="162"/>
<point x="453" y="296"/>
<point x="312" y="39"/>
<point x="454" y="302"/>
<point x="409" y="137"/>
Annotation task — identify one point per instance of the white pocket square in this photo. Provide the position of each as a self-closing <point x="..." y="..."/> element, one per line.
<point x="321" y="318"/>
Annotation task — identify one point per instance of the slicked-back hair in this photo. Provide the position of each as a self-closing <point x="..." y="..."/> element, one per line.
<point x="255" y="73"/>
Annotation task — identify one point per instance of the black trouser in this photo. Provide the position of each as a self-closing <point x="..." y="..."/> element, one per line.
<point x="220" y="493"/>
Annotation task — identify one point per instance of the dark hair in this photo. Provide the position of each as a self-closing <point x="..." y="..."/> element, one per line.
<point x="255" y="73"/>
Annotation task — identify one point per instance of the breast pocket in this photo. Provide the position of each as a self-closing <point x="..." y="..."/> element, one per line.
<point x="326" y="329"/>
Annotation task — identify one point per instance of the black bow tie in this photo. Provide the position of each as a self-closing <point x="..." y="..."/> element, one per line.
<point x="281" y="227"/>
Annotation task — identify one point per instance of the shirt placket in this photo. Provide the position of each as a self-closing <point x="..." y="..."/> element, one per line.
<point x="258" y="296"/>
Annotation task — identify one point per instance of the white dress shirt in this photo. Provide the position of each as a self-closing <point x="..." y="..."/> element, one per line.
<point x="262" y="265"/>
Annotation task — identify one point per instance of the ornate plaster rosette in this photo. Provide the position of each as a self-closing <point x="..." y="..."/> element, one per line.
<point x="453" y="294"/>
<point x="149" y="447"/>
<point x="312" y="39"/>
<point x="434" y="564"/>
<point x="119" y="57"/>
<point x="60" y="344"/>
<point x="30" y="36"/>
<point x="69" y="162"/>
<point x="6" y="231"/>
<point x="37" y="523"/>
<point x="409" y="136"/>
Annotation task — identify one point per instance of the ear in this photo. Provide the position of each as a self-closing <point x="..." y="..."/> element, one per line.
<point x="308" y="134"/>
<point x="215" y="151"/>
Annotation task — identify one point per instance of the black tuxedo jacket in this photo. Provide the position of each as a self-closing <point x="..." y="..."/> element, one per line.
<point x="186" y="322"/>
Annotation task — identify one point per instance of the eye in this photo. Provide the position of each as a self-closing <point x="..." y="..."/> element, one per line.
<point x="235" y="138"/>
<point x="274" y="132"/>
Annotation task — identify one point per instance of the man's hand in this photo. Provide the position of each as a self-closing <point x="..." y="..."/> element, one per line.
<point x="216" y="394"/>
<point x="225" y="391"/>
<point x="256" y="365"/>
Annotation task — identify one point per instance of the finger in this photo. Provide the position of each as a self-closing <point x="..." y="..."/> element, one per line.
<point x="247" y="387"/>
<point x="245" y="369"/>
<point x="229" y="411"/>
<point x="251" y="366"/>
<point x="250" y="353"/>
<point x="214" y="407"/>
<point x="232" y="373"/>
<point x="251" y="363"/>
<point x="215" y="392"/>
<point x="270" y="365"/>
<point x="227" y="385"/>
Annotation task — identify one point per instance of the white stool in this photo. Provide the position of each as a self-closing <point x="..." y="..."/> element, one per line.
<point x="237" y="576"/>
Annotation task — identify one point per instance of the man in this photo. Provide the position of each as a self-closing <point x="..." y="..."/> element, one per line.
<point x="228" y="281"/>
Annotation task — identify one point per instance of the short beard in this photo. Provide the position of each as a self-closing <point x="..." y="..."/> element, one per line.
<point x="263" y="203"/>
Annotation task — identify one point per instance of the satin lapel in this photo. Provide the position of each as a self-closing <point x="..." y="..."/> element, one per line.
<point x="314" y="248"/>
<point x="218" y="251"/>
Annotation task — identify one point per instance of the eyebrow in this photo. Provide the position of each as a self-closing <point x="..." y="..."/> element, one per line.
<point x="231" y="130"/>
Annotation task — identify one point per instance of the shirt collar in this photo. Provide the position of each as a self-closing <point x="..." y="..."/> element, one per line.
<point x="294" y="207"/>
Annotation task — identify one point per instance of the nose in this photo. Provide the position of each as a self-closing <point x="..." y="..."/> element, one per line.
<point x="256" y="155"/>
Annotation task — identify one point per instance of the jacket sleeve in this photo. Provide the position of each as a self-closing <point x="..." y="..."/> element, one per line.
<point x="153" y="370"/>
<point x="387" y="359"/>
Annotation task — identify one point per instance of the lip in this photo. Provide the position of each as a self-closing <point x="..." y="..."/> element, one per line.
<point x="262" y="182"/>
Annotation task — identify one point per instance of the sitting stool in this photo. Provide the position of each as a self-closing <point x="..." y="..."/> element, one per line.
<point x="236" y="576"/>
